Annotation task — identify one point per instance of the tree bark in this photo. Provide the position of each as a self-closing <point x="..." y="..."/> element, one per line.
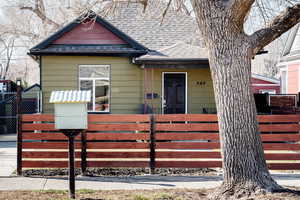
<point x="244" y="165"/>
<point x="230" y="52"/>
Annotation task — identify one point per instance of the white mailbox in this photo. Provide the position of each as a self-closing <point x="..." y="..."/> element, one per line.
<point x="70" y="108"/>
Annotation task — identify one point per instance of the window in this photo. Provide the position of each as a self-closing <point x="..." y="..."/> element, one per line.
<point x="97" y="79"/>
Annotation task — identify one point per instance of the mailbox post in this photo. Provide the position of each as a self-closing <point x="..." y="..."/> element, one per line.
<point x="70" y="109"/>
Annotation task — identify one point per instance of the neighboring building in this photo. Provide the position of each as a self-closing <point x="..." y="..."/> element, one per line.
<point x="290" y="63"/>
<point x="262" y="84"/>
<point x="7" y="86"/>
<point x="132" y="63"/>
<point x="31" y="99"/>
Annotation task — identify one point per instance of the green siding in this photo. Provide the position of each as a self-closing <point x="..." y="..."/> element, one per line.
<point x="61" y="73"/>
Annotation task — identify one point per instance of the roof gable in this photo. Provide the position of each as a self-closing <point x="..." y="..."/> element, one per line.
<point x="89" y="33"/>
<point x="80" y="33"/>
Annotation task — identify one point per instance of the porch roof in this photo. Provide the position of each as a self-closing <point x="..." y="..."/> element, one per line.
<point x="178" y="54"/>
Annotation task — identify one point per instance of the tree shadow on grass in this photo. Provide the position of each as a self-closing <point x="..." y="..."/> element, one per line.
<point x="288" y="190"/>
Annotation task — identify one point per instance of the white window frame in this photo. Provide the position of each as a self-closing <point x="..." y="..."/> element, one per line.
<point x="94" y="86"/>
<point x="284" y="69"/>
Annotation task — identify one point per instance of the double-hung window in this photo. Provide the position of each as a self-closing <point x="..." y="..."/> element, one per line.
<point x="96" y="78"/>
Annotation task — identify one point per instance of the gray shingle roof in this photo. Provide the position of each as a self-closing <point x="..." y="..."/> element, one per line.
<point x="148" y="29"/>
<point x="180" y="50"/>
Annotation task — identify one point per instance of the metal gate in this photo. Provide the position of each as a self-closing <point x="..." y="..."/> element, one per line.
<point x="8" y="109"/>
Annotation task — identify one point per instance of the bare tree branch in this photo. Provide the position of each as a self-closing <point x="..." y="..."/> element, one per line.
<point x="279" y="25"/>
<point x="242" y="6"/>
<point x="39" y="10"/>
<point x="9" y="49"/>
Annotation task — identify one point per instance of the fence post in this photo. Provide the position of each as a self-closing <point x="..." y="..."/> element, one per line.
<point x="19" y="130"/>
<point x="152" y="144"/>
<point x="83" y="152"/>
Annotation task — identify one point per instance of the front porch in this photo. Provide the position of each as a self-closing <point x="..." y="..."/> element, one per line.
<point x="177" y="91"/>
<point x="177" y="80"/>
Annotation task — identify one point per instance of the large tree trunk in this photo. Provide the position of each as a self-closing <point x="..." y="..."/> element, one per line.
<point x="230" y="53"/>
<point x="245" y="169"/>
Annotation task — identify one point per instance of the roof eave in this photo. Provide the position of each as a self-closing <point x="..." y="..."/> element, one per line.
<point x="272" y="80"/>
<point x="108" y="53"/>
<point x="172" y="61"/>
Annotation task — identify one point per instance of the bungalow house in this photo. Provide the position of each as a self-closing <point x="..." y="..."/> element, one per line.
<point x="290" y="63"/>
<point x="130" y="61"/>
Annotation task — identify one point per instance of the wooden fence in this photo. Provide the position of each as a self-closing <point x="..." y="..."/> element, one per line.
<point x="160" y="141"/>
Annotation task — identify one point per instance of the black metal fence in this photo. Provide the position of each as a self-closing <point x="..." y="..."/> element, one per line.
<point x="8" y="109"/>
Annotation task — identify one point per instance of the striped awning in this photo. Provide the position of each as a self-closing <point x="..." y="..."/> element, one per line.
<point x="70" y="96"/>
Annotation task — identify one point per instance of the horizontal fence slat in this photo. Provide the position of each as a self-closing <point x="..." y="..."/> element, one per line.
<point x="279" y="127"/>
<point x="118" y="118"/>
<point x="39" y="127"/>
<point x="187" y="145"/>
<point x="117" y="145"/>
<point x="187" y="136"/>
<point x="280" y="137"/>
<point x="45" y="136"/>
<point x="282" y="156"/>
<point x="118" y="154"/>
<point x="187" y="154"/>
<point x="117" y="164"/>
<point x="118" y="136"/>
<point x="215" y="136"/>
<point x="187" y="127"/>
<point x="278" y="118"/>
<point x="284" y="166"/>
<point x="186" y="117"/>
<point x="281" y="146"/>
<point x="118" y="127"/>
<point x="217" y="155"/>
<point x="47" y="164"/>
<point x="48" y="145"/>
<point x="167" y="154"/>
<point x="37" y="117"/>
<point x="47" y="154"/>
<point x="188" y="164"/>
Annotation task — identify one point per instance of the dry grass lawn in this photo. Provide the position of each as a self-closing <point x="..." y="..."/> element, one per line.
<point x="180" y="194"/>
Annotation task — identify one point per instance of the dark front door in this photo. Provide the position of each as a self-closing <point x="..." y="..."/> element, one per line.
<point x="174" y="93"/>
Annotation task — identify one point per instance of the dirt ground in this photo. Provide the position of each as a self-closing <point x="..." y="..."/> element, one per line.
<point x="183" y="194"/>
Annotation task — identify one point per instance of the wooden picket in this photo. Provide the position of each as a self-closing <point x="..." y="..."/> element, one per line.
<point x="160" y="141"/>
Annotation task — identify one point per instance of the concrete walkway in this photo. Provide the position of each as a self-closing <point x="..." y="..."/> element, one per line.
<point x="128" y="183"/>
<point x="8" y="154"/>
